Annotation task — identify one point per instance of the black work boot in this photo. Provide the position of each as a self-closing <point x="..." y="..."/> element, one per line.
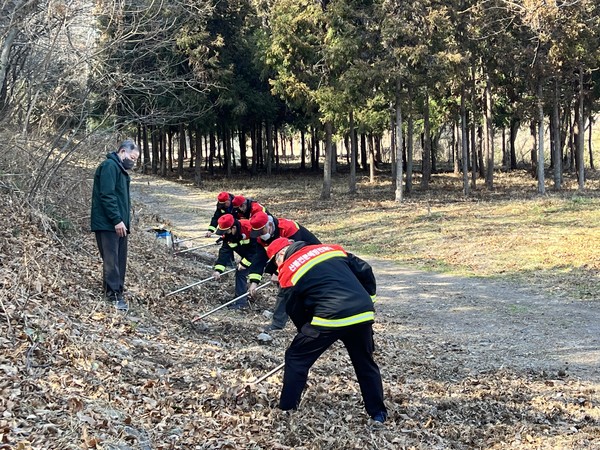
<point x="121" y="304"/>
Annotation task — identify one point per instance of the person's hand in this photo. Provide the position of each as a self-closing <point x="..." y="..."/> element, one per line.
<point x="208" y="234"/>
<point x="216" y="275"/>
<point x="240" y="266"/>
<point x="275" y="279"/>
<point x="121" y="229"/>
<point x="252" y="289"/>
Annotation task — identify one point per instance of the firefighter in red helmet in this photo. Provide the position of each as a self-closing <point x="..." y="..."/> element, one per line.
<point x="224" y="206"/>
<point x="244" y="208"/>
<point x="236" y="239"/>
<point x="266" y="229"/>
<point x="329" y="295"/>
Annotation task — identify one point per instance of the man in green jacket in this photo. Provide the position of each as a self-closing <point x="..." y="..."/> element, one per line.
<point x="110" y="218"/>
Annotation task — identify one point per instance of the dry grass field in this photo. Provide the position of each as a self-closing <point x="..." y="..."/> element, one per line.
<point x="509" y="232"/>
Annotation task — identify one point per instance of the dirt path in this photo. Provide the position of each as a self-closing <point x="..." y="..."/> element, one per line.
<point x="472" y="324"/>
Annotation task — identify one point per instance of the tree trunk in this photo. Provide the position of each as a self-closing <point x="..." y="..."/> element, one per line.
<point x="181" y="151"/>
<point x="409" y="142"/>
<point x="146" y="164"/>
<point x="254" y="147"/>
<point x="371" y="160"/>
<point x="363" y="151"/>
<point x="243" y="152"/>
<point x="314" y="153"/>
<point x="398" y="145"/>
<point x="198" y="169"/>
<point x="515" y="123"/>
<point x="591" y="120"/>
<point x="393" y="146"/>
<point x="579" y="137"/>
<point x="212" y="152"/>
<point x="505" y="152"/>
<point x="474" y="158"/>
<point x="317" y="149"/>
<point x="326" y="190"/>
<point x="488" y="135"/>
<point x="426" y="159"/>
<point x="541" y="163"/>
<point x="192" y="142"/>
<point x="352" y="156"/>
<point x="259" y="147"/>
<point x="164" y="150"/>
<point x="232" y="150"/>
<point x="463" y="140"/>
<point x="570" y="163"/>
<point x="277" y="147"/>
<point x="227" y="151"/>
<point x="557" y="149"/>
<point x="154" y="135"/>
<point x="169" y="135"/>
<point x="433" y="147"/>
<point x="269" y="148"/>
<point x="534" y="147"/>
<point x="480" y="147"/>
<point x="303" y="154"/>
<point x="219" y="145"/>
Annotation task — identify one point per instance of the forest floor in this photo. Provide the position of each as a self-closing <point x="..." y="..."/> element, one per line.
<point x="499" y="347"/>
<point x="467" y="362"/>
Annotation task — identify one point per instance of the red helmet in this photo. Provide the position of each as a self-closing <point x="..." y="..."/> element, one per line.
<point x="259" y="220"/>
<point x="223" y="197"/>
<point x="225" y="222"/>
<point x="275" y="246"/>
<point x="238" y="200"/>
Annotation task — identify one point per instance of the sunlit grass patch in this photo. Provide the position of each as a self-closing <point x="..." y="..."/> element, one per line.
<point x="511" y="232"/>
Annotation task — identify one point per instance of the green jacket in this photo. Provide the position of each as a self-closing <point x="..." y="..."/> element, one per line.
<point x="111" y="203"/>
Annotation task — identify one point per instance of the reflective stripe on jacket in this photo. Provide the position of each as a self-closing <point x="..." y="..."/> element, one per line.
<point x="326" y="286"/>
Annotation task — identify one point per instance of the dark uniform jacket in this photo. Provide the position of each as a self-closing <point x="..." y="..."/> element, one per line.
<point x="239" y="243"/>
<point x="252" y="207"/>
<point x="283" y="228"/>
<point x="111" y="203"/>
<point x="327" y="287"/>
<point x="220" y="212"/>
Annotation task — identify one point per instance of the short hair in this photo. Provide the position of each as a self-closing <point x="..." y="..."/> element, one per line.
<point x="129" y="146"/>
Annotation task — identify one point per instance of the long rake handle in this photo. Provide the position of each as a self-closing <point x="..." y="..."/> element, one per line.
<point x="179" y="241"/>
<point x="267" y="375"/>
<point x="196" y="283"/>
<point x="228" y="303"/>
<point x="196" y="248"/>
<point x="261" y="379"/>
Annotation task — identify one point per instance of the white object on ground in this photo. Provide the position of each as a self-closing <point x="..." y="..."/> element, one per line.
<point x="264" y="337"/>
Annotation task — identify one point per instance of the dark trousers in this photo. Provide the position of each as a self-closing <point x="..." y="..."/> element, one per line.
<point x="241" y="285"/>
<point x="280" y="316"/>
<point x="113" y="250"/>
<point x="310" y="343"/>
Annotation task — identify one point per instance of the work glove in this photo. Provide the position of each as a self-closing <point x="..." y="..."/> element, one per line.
<point x="252" y="289"/>
<point x="208" y="234"/>
<point x="216" y="275"/>
<point x="275" y="279"/>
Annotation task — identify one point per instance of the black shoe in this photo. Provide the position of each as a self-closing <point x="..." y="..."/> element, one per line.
<point x="379" y="418"/>
<point x="238" y="306"/>
<point x="121" y="304"/>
